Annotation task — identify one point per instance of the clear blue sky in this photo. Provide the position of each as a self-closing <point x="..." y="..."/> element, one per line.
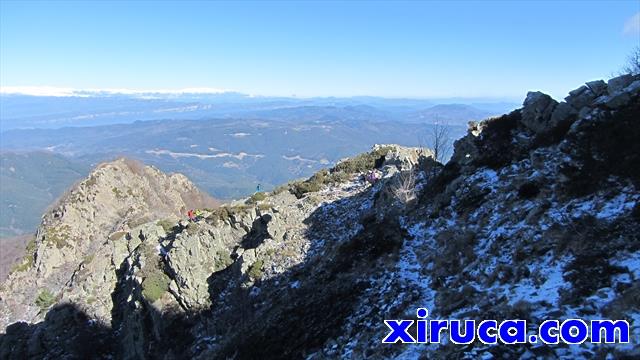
<point x="331" y="48"/>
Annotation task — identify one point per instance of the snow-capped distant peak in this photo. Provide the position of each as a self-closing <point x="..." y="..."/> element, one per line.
<point x="64" y="91"/>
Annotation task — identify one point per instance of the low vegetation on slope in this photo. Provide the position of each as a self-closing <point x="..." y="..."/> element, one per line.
<point x="343" y="171"/>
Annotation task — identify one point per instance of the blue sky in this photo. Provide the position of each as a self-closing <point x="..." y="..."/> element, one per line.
<point x="399" y="49"/>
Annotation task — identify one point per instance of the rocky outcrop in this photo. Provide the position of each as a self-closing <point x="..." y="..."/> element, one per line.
<point x="535" y="217"/>
<point x="537" y="111"/>
<point x="541" y="122"/>
<point x="82" y="238"/>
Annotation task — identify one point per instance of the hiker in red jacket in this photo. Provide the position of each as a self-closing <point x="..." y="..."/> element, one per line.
<point x="191" y="215"/>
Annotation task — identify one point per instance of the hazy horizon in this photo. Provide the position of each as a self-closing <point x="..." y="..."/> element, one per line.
<point x="54" y="91"/>
<point x="391" y="50"/>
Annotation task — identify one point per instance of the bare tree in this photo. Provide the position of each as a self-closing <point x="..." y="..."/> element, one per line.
<point x="440" y="141"/>
<point x="633" y="63"/>
<point x="438" y="146"/>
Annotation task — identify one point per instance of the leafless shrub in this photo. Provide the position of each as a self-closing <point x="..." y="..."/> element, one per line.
<point x="404" y="187"/>
<point x="633" y="63"/>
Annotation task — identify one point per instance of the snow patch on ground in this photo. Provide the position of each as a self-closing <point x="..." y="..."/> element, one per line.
<point x="631" y="261"/>
<point x="485" y="178"/>
<point x="552" y="271"/>
<point x="409" y="265"/>
<point x="421" y="237"/>
<point x="617" y="206"/>
<point x="598" y="206"/>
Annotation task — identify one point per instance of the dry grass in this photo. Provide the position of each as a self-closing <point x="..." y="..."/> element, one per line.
<point x="259" y="196"/>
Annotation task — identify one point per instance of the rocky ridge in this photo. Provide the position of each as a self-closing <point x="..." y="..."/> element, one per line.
<point x="534" y="217"/>
<point x="74" y="253"/>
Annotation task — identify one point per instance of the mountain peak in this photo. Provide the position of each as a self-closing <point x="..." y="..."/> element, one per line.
<point x="116" y="197"/>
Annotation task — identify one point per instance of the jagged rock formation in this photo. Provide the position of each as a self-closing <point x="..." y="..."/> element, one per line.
<point x="534" y="217"/>
<point x="77" y="248"/>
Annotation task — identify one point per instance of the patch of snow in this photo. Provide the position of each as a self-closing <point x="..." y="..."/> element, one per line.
<point x="409" y="265"/>
<point x="617" y="206"/>
<point x="634" y="321"/>
<point x="507" y="231"/>
<point x="631" y="261"/>
<point x="595" y="205"/>
<point x="486" y="178"/>
<point x="552" y="271"/>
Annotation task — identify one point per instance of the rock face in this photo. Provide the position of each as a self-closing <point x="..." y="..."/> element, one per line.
<point x="81" y="241"/>
<point x="535" y="217"/>
<point x="537" y="111"/>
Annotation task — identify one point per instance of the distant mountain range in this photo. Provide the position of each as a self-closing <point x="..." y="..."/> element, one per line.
<point x="457" y="114"/>
<point x="22" y="110"/>
<point x="227" y="157"/>
<point x="227" y="142"/>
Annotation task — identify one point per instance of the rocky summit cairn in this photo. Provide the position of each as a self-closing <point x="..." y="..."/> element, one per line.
<point x="534" y="217"/>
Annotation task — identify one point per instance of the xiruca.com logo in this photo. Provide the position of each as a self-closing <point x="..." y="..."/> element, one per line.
<point x="569" y="331"/>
